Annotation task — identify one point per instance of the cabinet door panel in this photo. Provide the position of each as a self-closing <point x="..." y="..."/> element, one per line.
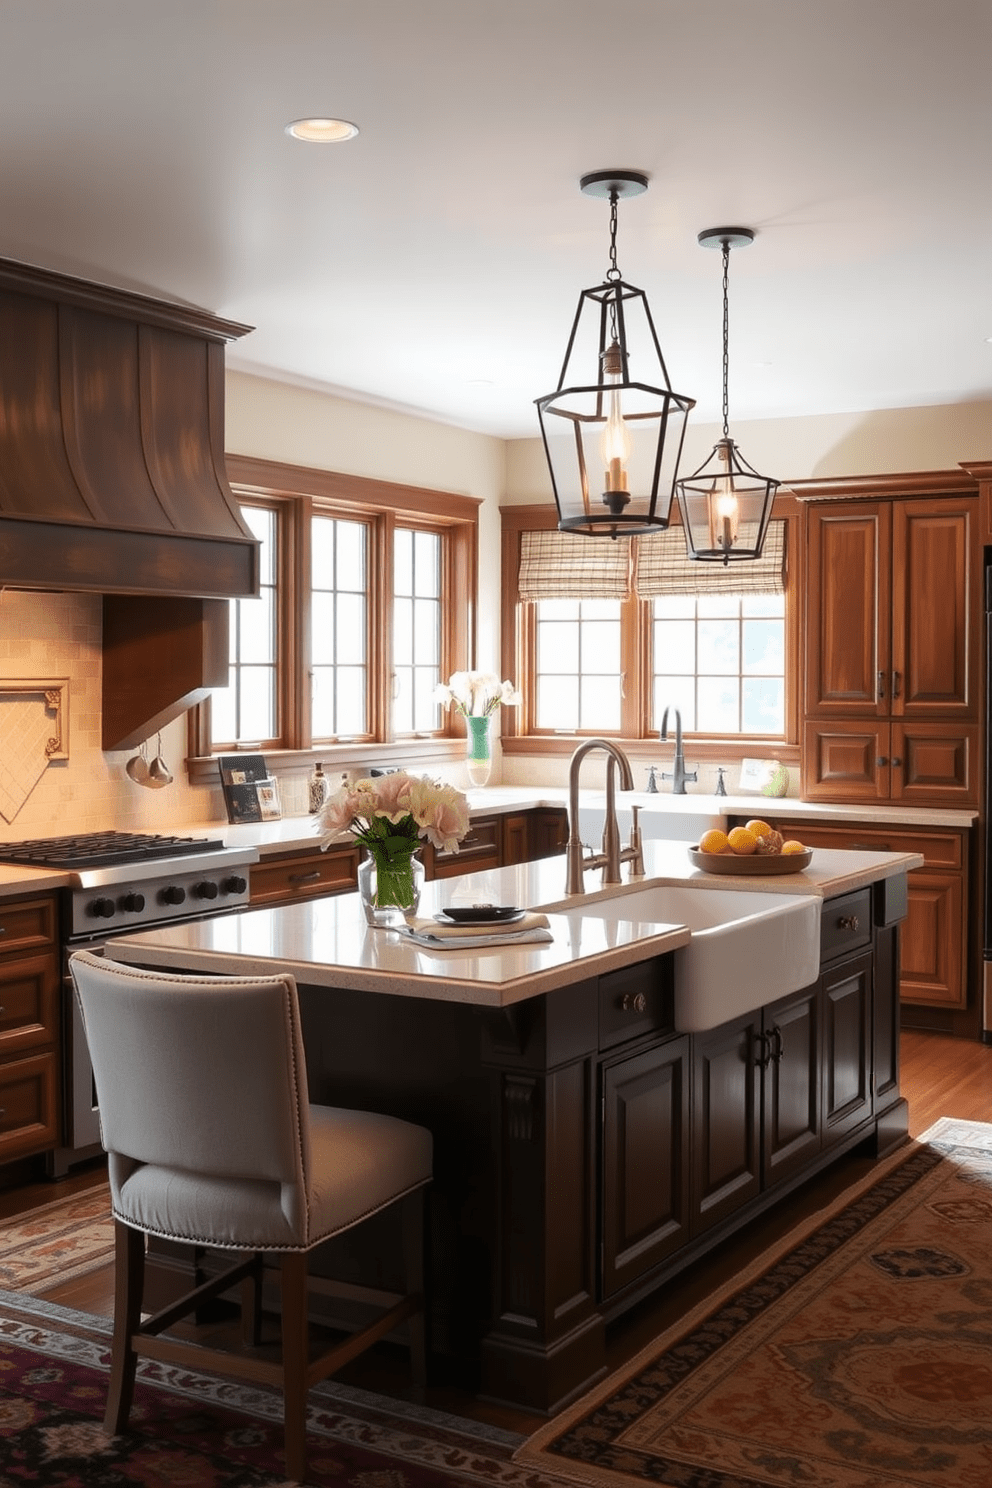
<point x="938" y="764"/>
<point x="791" y="1088"/>
<point x="846" y="1001"/>
<point x="933" y="956"/>
<point x="934" y="584"/>
<point x="845" y="761"/>
<point x="645" y="1161"/>
<point x="725" y="1141"/>
<point x="848" y="609"/>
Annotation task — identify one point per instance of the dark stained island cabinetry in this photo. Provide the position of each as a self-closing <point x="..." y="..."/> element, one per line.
<point x="586" y="1149"/>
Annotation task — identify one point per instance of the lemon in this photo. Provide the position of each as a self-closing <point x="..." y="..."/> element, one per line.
<point x="742" y="841"/>
<point x="793" y="847"/>
<point x="713" y="841"/>
<point x="758" y="827"/>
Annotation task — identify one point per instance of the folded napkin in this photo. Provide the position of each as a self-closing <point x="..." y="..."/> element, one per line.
<point x="437" y="936"/>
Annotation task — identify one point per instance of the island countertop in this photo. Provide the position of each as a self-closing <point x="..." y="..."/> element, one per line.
<point x="326" y="943"/>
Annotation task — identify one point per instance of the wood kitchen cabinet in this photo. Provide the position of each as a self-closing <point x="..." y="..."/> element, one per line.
<point x="756" y="1104"/>
<point x="934" y="938"/>
<point x="30" y="1022"/>
<point x="290" y="877"/>
<point x="893" y="611"/>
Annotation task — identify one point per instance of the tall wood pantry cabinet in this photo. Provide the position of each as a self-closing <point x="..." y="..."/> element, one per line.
<point x="893" y="689"/>
<point x="893" y="618"/>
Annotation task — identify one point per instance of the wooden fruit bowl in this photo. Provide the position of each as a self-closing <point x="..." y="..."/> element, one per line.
<point x="751" y="865"/>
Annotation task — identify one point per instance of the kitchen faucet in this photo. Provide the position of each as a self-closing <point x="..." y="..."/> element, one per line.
<point x="679" y="774"/>
<point x="612" y="855"/>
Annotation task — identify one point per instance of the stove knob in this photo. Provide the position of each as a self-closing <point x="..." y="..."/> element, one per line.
<point x="172" y="895"/>
<point x="102" y="909"/>
<point x="133" y="903"/>
<point x="205" y="890"/>
<point x="234" y="885"/>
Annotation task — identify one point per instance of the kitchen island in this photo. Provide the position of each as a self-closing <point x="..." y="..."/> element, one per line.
<point x="586" y="1146"/>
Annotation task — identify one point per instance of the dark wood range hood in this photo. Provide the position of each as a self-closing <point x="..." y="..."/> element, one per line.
<point x="112" y="481"/>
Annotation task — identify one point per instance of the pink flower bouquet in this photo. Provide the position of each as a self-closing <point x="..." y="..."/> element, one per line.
<point x="390" y="815"/>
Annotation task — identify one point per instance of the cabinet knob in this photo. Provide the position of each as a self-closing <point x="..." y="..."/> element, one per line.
<point x="848" y="922"/>
<point x="881" y="761"/>
<point x="633" y="1002"/>
<point x="896" y="760"/>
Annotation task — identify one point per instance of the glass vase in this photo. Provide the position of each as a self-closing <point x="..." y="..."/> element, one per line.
<point x="479" y="756"/>
<point x="390" y="888"/>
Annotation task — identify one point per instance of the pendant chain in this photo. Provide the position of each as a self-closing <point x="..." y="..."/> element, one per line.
<point x="726" y="336"/>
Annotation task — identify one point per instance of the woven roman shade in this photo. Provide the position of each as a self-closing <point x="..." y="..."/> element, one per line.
<point x="560" y="565"/>
<point x="662" y="567"/>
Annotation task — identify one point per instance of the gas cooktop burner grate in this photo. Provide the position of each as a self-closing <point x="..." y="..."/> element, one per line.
<point x="101" y="849"/>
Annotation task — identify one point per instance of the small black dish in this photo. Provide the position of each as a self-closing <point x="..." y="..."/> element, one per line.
<point x="479" y="914"/>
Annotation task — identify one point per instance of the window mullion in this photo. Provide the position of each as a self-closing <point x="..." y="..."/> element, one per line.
<point x="381" y="670"/>
<point x="296" y="573"/>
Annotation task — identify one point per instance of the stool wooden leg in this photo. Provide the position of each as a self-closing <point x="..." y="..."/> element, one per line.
<point x="129" y="1276"/>
<point x="251" y="1305"/>
<point x="295" y="1357"/>
<point x="413" y="1262"/>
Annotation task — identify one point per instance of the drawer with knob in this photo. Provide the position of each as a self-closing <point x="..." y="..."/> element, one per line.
<point x="845" y="925"/>
<point x="634" y="1001"/>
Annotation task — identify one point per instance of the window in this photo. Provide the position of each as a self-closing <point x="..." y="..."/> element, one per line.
<point x="247" y="708"/>
<point x="709" y="640"/>
<point x="721" y="661"/>
<point x="577" y="676"/>
<point x="416" y="630"/>
<point x="338" y="628"/>
<point x="349" y="638"/>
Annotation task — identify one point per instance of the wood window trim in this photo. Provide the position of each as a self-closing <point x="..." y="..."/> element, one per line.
<point x="300" y="492"/>
<point x="519" y="657"/>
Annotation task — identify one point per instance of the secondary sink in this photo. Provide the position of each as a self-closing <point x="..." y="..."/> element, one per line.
<point x="747" y="949"/>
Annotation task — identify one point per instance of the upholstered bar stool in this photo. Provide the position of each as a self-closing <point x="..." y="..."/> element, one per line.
<point x="202" y="1090"/>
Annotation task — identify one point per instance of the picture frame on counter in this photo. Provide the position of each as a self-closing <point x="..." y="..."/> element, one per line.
<point x="251" y="794"/>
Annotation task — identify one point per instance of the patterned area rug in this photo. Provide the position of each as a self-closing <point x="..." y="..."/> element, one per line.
<point x="57" y="1241"/>
<point x="860" y="1356"/>
<point x="192" y="1430"/>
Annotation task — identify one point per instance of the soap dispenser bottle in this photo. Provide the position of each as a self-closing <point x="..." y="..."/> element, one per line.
<point x="319" y="789"/>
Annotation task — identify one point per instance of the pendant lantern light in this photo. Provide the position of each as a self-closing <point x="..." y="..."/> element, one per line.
<point x="613" y="428"/>
<point x="725" y="505"/>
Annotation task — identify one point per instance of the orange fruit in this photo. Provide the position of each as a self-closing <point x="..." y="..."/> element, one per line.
<point x="793" y="847"/>
<point x="742" y="841"/>
<point x="713" y="841"/>
<point x="758" y="827"/>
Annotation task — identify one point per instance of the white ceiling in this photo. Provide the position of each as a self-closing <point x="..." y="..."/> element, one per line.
<point x="434" y="263"/>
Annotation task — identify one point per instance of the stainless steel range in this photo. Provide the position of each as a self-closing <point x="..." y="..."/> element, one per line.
<point x="123" y="881"/>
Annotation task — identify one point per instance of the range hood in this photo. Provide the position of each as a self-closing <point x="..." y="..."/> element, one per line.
<point x="112" y="473"/>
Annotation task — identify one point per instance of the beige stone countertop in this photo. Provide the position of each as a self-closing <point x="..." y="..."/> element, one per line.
<point x="16" y="880"/>
<point x="326" y="942"/>
<point x="297" y="833"/>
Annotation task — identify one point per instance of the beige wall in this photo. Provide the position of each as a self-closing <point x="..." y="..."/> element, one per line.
<point x="820" y="446"/>
<point x="44" y="635"/>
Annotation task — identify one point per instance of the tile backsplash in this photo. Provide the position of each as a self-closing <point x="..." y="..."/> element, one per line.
<point x="49" y="636"/>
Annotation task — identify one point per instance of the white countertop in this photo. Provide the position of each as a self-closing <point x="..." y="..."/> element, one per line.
<point x="326" y="942"/>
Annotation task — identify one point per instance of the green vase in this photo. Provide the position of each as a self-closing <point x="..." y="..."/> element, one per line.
<point x="480" y="755"/>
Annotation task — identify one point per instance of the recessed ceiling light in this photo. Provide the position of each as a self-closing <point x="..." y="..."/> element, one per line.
<point x="322" y="131"/>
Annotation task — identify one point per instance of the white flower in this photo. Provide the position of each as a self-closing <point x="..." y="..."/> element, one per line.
<point x="476" y="693"/>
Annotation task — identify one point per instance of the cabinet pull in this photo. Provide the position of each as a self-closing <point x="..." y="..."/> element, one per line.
<point x="896" y="680"/>
<point x="881" y="684"/>
<point x="633" y="1002"/>
<point x="3" y="929"/>
<point x="305" y="877"/>
<point x="779" y="1053"/>
<point x="764" y="1057"/>
<point x="870" y="847"/>
<point x="848" y="922"/>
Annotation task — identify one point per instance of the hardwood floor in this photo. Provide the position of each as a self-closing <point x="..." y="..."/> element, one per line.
<point x="940" y="1076"/>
